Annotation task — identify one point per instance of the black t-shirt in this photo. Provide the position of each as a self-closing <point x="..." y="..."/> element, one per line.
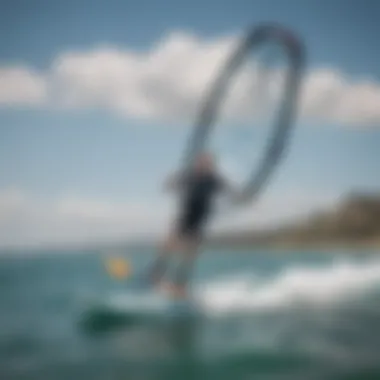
<point x="198" y="191"/>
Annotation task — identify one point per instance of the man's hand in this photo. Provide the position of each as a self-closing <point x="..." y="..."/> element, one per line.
<point x="233" y="192"/>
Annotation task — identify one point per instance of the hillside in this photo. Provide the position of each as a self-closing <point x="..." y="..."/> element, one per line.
<point x="354" y="221"/>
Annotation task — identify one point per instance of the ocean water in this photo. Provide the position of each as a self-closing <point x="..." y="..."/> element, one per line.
<point x="264" y="315"/>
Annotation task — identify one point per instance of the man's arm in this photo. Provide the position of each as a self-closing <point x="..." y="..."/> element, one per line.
<point x="232" y="191"/>
<point x="228" y="188"/>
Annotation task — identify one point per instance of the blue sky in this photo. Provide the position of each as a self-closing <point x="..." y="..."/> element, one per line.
<point x="79" y="154"/>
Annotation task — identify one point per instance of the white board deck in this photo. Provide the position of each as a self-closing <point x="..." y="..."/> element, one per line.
<point x="142" y="304"/>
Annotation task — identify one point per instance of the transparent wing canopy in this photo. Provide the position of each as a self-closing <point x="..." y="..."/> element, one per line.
<point x="263" y="88"/>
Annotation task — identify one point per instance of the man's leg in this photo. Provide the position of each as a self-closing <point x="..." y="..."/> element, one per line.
<point x="184" y="271"/>
<point x="159" y="266"/>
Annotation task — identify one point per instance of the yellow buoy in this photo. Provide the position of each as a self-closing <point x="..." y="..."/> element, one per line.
<point x="118" y="267"/>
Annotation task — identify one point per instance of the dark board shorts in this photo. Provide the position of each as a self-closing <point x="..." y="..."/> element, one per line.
<point x="191" y="223"/>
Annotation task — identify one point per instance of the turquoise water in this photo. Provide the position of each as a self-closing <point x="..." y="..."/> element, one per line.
<point x="264" y="315"/>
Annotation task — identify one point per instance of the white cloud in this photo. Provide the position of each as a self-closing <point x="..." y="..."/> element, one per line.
<point x="21" y="86"/>
<point x="27" y="221"/>
<point x="164" y="82"/>
<point x="133" y="214"/>
<point x="168" y="81"/>
<point x="330" y="96"/>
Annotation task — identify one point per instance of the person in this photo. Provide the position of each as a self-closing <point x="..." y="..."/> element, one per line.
<point x="198" y="189"/>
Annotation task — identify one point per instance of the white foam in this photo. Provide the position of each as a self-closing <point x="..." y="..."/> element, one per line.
<point x="293" y="285"/>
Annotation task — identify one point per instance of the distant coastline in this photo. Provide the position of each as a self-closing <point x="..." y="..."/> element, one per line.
<point x="354" y="223"/>
<point x="321" y="246"/>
